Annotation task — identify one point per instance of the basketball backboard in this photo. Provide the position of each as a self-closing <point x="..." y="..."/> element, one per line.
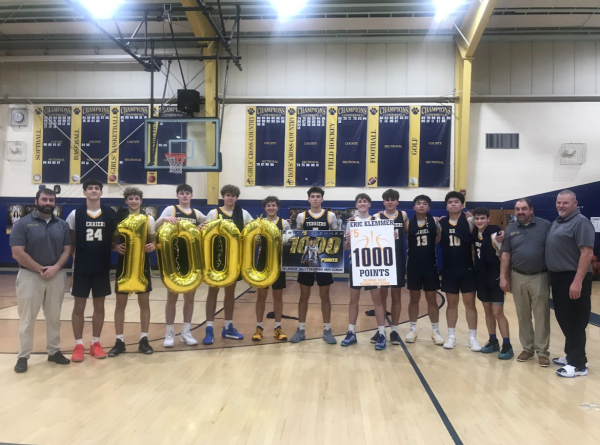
<point x="197" y="138"/>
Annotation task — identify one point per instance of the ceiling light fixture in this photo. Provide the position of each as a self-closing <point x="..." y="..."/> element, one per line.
<point x="444" y="8"/>
<point x="288" y="8"/>
<point x="101" y="9"/>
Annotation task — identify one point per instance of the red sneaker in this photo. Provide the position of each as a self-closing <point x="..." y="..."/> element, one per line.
<point x="97" y="351"/>
<point x="77" y="354"/>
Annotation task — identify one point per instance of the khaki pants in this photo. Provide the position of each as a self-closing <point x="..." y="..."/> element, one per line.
<point x="33" y="293"/>
<point x="532" y="294"/>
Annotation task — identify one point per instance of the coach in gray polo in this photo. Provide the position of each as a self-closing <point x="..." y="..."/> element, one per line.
<point x="41" y="244"/>
<point x="523" y="272"/>
<point x="569" y="251"/>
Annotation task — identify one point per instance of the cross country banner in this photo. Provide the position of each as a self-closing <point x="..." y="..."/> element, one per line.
<point x="317" y="251"/>
<point x="372" y="253"/>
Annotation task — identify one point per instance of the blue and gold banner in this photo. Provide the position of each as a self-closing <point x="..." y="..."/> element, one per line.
<point x="75" y="145"/>
<point x="392" y="147"/>
<point x="308" y="141"/>
<point x="351" y="146"/>
<point x="414" y="146"/>
<point x="435" y="142"/>
<point x="159" y="140"/>
<point x="131" y="144"/>
<point x="95" y="142"/>
<point x="51" y="144"/>
<point x="331" y="147"/>
<point x="250" y="168"/>
<point x="270" y="146"/>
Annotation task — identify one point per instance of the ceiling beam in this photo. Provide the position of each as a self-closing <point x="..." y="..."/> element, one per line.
<point x="472" y="27"/>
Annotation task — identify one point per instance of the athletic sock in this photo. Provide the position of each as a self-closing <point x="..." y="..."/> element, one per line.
<point x="434" y="326"/>
<point x="95" y="340"/>
<point x="381" y="330"/>
<point x="352" y="328"/>
<point x="79" y="342"/>
<point x="121" y="337"/>
<point x="277" y="324"/>
<point x="506" y="341"/>
<point x="327" y="326"/>
<point x="259" y="324"/>
<point x="413" y="325"/>
<point x="228" y="323"/>
<point x="210" y="324"/>
<point x="493" y="337"/>
<point x="143" y="335"/>
<point x="187" y="327"/>
<point x="472" y="333"/>
<point x="452" y="332"/>
<point x="170" y="329"/>
<point x="302" y="326"/>
<point x="394" y="328"/>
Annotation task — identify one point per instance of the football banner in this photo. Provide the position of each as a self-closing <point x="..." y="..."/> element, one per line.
<point x="319" y="251"/>
<point x="372" y="253"/>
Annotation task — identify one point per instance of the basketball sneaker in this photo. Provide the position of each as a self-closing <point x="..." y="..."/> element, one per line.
<point x="562" y="361"/>
<point x="117" y="349"/>
<point x="209" y="336"/>
<point x="169" y="340"/>
<point x="450" y="343"/>
<point x="279" y="334"/>
<point x="328" y="337"/>
<point x="412" y="336"/>
<point x="232" y="333"/>
<point x="474" y="345"/>
<point x="380" y="345"/>
<point x="491" y="346"/>
<point x="144" y="347"/>
<point x="395" y="338"/>
<point x="258" y="334"/>
<point x="77" y="353"/>
<point x="506" y="353"/>
<point x="298" y="336"/>
<point x="375" y="337"/>
<point x="570" y="372"/>
<point x="188" y="338"/>
<point x="436" y="338"/>
<point x="350" y="339"/>
<point x="97" y="351"/>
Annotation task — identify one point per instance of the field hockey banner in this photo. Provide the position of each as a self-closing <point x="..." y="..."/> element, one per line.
<point x="319" y="251"/>
<point x="372" y="252"/>
<point x="305" y="150"/>
<point x="265" y="145"/>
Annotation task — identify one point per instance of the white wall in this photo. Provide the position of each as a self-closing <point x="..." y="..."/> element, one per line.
<point x="537" y="68"/>
<point x="501" y="175"/>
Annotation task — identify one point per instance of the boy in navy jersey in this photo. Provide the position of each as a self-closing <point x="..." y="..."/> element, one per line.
<point x="421" y="268"/>
<point x="458" y="275"/>
<point x="173" y="214"/>
<point x="390" y="201"/>
<point x="240" y="217"/>
<point x="271" y="206"/>
<point x="92" y="226"/>
<point x="487" y="278"/>
<point x="315" y="219"/>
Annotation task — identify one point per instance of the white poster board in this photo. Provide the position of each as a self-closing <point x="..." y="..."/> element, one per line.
<point x="373" y="253"/>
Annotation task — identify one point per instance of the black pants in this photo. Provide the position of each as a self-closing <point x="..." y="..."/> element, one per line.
<point x="572" y="315"/>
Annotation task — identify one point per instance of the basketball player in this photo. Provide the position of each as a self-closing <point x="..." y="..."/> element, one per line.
<point x="421" y="268"/>
<point x="315" y="219"/>
<point x="173" y="214"/>
<point x="458" y="274"/>
<point x="487" y="279"/>
<point x="363" y="204"/>
<point x="133" y="198"/>
<point x="271" y="206"/>
<point x="390" y="201"/>
<point x="311" y="254"/>
<point x="240" y="217"/>
<point x="92" y="226"/>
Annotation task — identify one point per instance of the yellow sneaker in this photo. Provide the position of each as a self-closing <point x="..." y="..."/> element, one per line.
<point x="258" y="334"/>
<point x="279" y="334"/>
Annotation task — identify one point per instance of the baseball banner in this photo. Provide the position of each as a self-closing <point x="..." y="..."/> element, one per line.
<point x="319" y="251"/>
<point x="372" y="253"/>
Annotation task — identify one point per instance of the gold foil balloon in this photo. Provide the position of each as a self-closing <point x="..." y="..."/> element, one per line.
<point x="273" y="248"/>
<point x="221" y="247"/>
<point x="180" y="273"/>
<point x="134" y="229"/>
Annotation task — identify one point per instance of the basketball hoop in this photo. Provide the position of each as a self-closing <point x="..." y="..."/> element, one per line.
<point x="176" y="161"/>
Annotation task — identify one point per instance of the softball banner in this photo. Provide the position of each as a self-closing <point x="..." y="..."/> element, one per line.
<point x="372" y="253"/>
<point x="320" y="251"/>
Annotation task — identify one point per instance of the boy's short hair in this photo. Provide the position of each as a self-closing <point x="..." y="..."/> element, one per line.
<point x="391" y="194"/>
<point x="422" y="198"/>
<point x="132" y="191"/>
<point x="315" y="190"/>
<point x="362" y="196"/>
<point x="92" y="181"/>
<point x="184" y="188"/>
<point x="231" y="190"/>
<point x="312" y="238"/>
<point x="269" y="199"/>
<point x="481" y="211"/>
<point x="454" y="194"/>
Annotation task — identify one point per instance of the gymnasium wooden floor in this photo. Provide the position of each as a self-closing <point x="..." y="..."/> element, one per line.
<point x="308" y="393"/>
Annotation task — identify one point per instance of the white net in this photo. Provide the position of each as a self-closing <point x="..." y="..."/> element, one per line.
<point x="176" y="161"/>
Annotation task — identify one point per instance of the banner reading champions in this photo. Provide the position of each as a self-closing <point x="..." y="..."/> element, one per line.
<point x="265" y="145"/>
<point x="51" y="133"/>
<point x="306" y="131"/>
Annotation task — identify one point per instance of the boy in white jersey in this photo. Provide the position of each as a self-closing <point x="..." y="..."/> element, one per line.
<point x="133" y="198"/>
<point x="271" y="206"/>
<point x="363" y="204"/>
<point x="173" y="214"/>
<point x="315" y="219"/>
<point x="231" y="211"/>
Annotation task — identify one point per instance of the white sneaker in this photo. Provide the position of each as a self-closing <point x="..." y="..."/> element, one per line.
<point x="437" y="338"/>
<point x="562" y="361"/>
<point x="569" y="371"/>
<point x="169" y="340"/>
<point x="450" y="343"/>
<point x="474" y="345"/>
<point x="188" y="338"/>
<point x="412" y="336"/>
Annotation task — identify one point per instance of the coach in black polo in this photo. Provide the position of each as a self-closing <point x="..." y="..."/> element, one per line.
<point x="569" y="251"/>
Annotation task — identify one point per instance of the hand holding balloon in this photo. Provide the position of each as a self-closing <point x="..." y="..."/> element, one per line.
<point x="134" y="229"/>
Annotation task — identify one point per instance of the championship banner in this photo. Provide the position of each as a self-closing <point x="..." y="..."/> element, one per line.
<point x="75" y="175"/>
<point x="392" y="147"/>
<point x="331" y="147"/>
<point x="131" y="144"/>
<point x="306" y="146"/>
<point x="319" y="251"/>
<point x="351" y="147"/>
<point x="415" y="146"/>
<point x="95" y="141"/>
<point x="270" y="142"/>
<point x="52" y="130"/>
<point x="372" y="253"/>
<point x="434" y="159"/>
<point x="159" y="141"/>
